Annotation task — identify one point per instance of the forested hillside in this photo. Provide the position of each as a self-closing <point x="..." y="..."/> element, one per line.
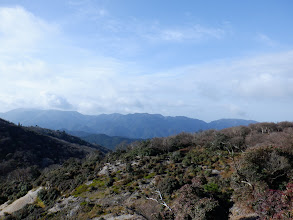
<point x="25" y="152"/>
<point x="236" y="173"/>
<point x="110" y="142"/>
<point x="62" y="135"/>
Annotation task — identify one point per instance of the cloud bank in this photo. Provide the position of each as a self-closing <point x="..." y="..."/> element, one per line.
<point x="40" y="68"/>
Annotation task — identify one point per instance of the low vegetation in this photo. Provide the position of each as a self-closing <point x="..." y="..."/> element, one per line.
<point x="236" y="173"/>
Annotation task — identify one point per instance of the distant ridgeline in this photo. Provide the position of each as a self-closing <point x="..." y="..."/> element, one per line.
<point x="135" y="126"/>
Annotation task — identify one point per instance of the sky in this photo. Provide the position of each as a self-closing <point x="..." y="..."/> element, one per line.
<point x="204" y="59"/>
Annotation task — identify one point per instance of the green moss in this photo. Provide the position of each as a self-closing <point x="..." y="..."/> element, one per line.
<point x="99" y="182"/>
<point x="129" y="184"/>
<point x="151" y="175"/>
<point x="81" y="189"/>
<point x="95" y="185"/>
<point x="116" y="189"/>
<point x="84" y="203"/>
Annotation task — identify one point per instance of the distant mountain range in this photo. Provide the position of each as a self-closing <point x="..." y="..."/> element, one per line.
<point x="138" y="125"/>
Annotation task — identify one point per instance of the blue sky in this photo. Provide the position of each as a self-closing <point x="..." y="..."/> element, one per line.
<point x="201" y="59"/>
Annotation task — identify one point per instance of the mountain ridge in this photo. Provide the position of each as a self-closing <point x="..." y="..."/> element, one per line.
<point x="137" y="125"/>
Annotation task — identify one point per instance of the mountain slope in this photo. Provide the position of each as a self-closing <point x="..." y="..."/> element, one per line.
<point x="108" y="141"/>
<point x="68" y="138"/>
<point x="22" y="147"/>
<point x="243" y="172"/>
<point x="139" y="125"/>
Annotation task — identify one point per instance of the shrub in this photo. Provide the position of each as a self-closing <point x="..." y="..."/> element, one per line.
<point x="267" y="165"/>
<point x="168" y="185"/>
<point x="176" y="156"/>
<point x="275" y="204"/>
<point x="48" y="196"/>
<point x="211" y="188"/>
<point x="191" y="204"/>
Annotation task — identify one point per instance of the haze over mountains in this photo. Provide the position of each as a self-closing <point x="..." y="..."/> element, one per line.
<point x="138" y="125"/>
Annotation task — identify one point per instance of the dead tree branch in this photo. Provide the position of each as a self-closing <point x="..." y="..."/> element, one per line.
<point x="160" y="201"/>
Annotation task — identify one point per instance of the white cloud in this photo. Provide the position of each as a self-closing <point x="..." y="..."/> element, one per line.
<point x="266" y="40"/>
<point x="267" y="86"/>
<point x="194" y="33"/>
<point x="22" y="32"/>
<point x="55" y="101"/>
<point x="91" y="13"/>
<point x="266" y="77"/>
<point x="68" y="77"/>
<point x="236" y="110"/>
<point x="88" y="8"/>
<point x="14" y="68"/>
<point x="128" y="31"/>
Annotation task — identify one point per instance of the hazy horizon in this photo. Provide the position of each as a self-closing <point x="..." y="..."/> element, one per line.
<point x="200" y="59"/>
<point x="36" y="109"/>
